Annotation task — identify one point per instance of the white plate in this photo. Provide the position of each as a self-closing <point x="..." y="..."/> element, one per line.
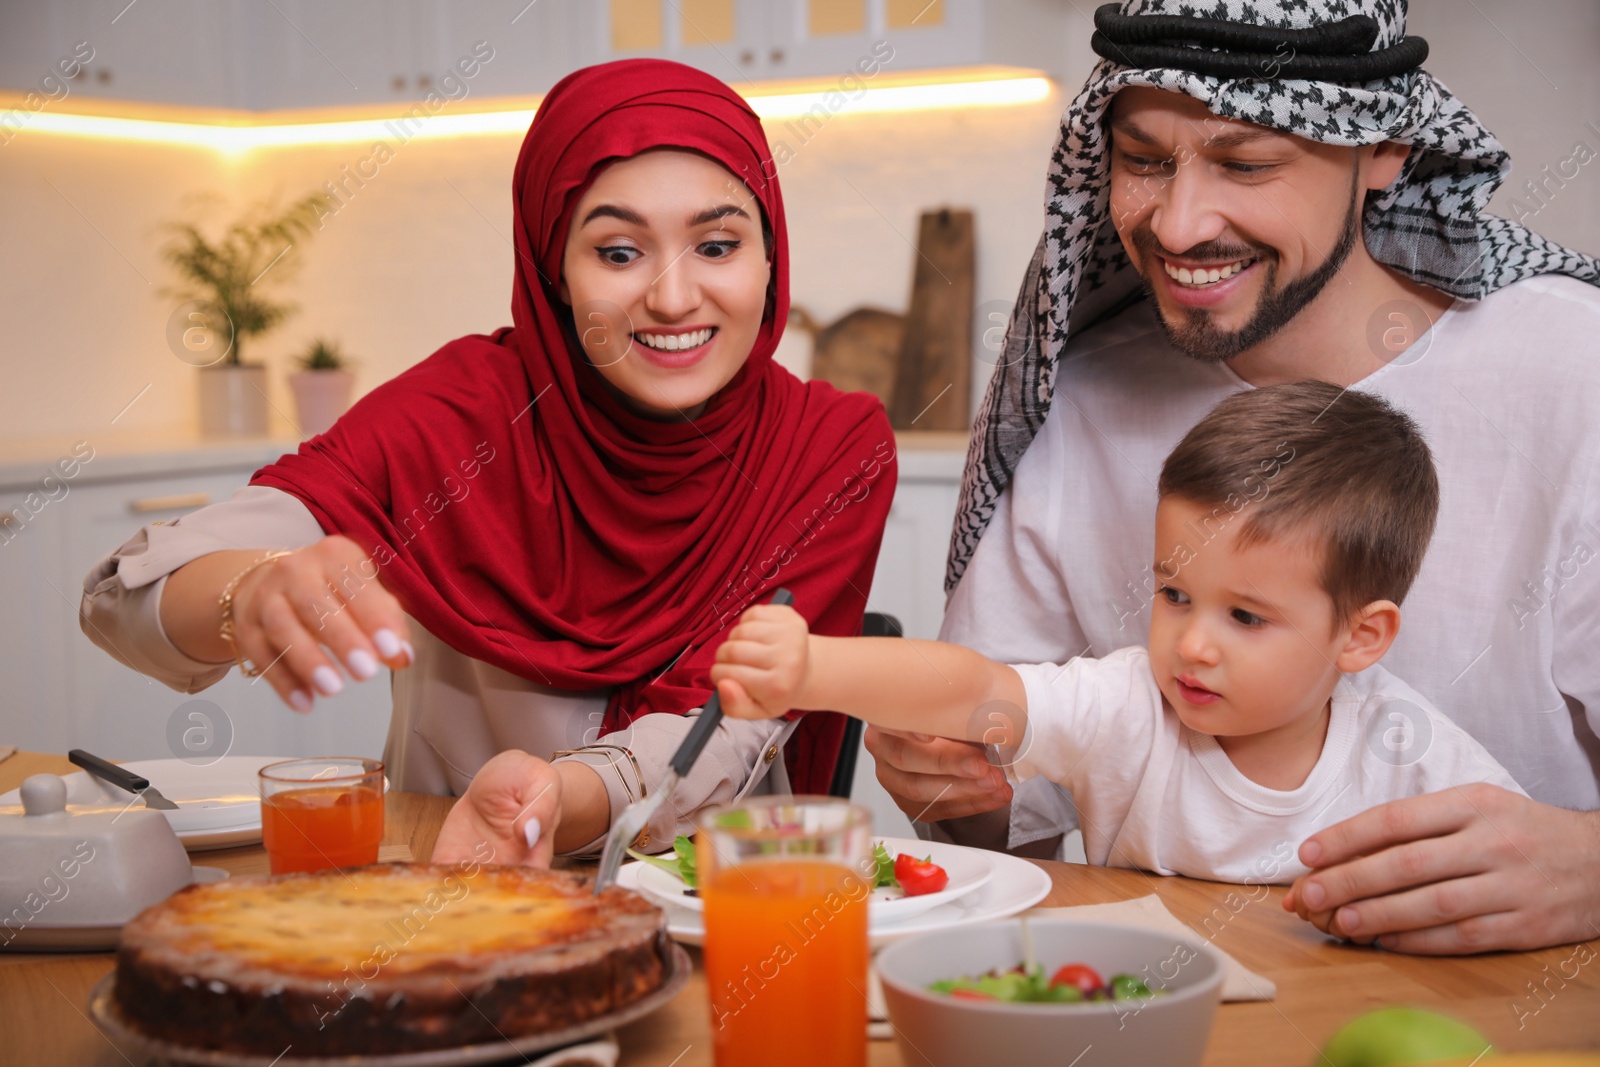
<point x="100" y="937"/>
<point x="1014" y="885"/>
<point x="969" y="869"/>
<point x="219" y="804"/>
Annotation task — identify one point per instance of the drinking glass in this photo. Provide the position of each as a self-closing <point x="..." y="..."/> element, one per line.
<point x="786" y="882"/>
<point x="321" y="813"/>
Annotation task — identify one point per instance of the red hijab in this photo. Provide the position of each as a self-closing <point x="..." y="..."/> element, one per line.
<point x="528" y="519"/>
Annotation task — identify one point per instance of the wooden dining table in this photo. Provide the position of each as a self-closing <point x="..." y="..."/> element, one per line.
<point x="1521" y="1000"/>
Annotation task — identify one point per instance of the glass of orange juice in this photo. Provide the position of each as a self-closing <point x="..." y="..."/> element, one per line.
<point x="321" y="813"/>
<point x="785" y="885"/>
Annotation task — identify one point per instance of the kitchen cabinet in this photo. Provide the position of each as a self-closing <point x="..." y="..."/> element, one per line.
<point x="309" y="53"/>
<point x="62" y="691"/>
<point x="172" y="51"/>
<point x="244" y="54"/>
<point x="909" y="580"/>
<point x="740" y="40"/>
<point x="533" y="44"/>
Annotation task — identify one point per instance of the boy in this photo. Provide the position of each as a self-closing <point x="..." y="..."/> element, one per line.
<point x="1292" y="521"/>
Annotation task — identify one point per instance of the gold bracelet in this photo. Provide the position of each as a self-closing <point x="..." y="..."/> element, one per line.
<point x="225" y="602"/>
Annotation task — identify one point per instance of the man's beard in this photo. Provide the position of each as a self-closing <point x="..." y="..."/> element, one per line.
<point x="1198" y="338"/>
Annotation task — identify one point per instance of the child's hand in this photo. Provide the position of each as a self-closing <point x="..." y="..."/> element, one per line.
<point x="762" y="666"/>
<point x="513" y="797"/>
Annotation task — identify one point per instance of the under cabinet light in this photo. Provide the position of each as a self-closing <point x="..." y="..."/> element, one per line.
<point x="233" y="137"/>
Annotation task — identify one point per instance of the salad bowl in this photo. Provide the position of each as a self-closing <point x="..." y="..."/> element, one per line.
<point x="939" y="1028"/>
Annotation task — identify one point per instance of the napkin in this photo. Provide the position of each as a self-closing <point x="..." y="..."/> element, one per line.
<point x="601" y="1052"/>
<point x="878" y="1026"/>
<point x="1238" y="982"/>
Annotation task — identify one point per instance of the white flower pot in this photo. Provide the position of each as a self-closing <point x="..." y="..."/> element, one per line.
<point x="233" y="400"/>
<point x="320" y="397"/>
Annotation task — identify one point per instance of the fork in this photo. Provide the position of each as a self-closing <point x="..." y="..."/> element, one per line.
<point x="637" y="815"/>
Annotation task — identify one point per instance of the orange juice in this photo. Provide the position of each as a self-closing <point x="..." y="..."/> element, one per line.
<point x="323" y="826"/>
<point x="786" y="963"/>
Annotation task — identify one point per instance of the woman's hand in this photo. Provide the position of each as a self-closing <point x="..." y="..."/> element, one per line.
<point x="508" y="815"/>
<point x="761" y="668"/>
<point x="301" y="617"/>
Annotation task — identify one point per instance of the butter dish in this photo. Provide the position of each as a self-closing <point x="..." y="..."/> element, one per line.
<point x="70" y="877"/>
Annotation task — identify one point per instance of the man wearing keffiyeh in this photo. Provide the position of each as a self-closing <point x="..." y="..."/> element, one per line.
<point x="1254" y="191"/>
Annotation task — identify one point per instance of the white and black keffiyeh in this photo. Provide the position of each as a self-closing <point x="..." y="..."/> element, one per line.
<point x="1284" y="64"/>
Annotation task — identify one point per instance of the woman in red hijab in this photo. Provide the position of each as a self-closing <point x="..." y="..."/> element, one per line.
<point x="572" y="510"/>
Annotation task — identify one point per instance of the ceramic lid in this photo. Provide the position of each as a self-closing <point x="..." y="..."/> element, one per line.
<point x="62" y="867"/>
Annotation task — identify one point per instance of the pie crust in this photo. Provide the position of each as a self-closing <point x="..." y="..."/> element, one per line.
<point x="387" y="958"/>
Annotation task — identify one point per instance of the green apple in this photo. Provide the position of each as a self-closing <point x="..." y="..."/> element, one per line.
<point x="1397" y="1037"/>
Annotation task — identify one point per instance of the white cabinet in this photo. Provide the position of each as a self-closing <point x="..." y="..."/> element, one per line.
<point x="314" y="53"/>
<point x="289" y="53"/>
<point x="533" y="45"/>
<point x="167" y="51"/>
<point x="309" y="53"/>
<point x="909" y="580"/>
<point x="62" y="691"/>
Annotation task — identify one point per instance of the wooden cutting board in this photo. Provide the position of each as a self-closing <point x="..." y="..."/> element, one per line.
<point x="933" y="383"/>
<point x="858" y="352"/>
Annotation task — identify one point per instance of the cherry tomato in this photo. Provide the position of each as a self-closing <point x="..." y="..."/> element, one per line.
<point x="970" y="994"/>
<point x="1085" y="979"/>
<point x="919" y="877"/>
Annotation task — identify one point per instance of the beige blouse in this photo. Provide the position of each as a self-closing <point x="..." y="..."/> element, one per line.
<point x="451" y="712"/>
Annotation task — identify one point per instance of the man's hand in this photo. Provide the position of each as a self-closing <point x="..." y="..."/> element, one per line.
<point x="933" y="779"/>
<point x="761" y="668"/>
<point x="512" y="793"/>
<point x="1471" y="869"/>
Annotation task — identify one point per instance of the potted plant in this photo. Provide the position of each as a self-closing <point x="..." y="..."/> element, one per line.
<point x="227" y="284"/>
<point x="321" y="387"/>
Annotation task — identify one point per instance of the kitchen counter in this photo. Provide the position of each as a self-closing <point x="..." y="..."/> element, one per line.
<point x="24" y="461"/>
<point x="931" y="456"/>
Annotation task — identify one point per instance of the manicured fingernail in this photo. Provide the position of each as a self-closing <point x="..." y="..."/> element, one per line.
<point x="300" y="700"/>
<point x="388" y="644"/>
<point x="361" y="664"/>
<point x="1349" y="920"/>
<point x="411" y="653"/>
<point x="1313" y="895"/>
<point x="327" y="680"/>
<point x="1310" y="852"/>
<point x="530" y="832"/>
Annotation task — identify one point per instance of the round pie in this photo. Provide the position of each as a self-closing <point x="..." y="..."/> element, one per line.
<point x="387" y="958"/>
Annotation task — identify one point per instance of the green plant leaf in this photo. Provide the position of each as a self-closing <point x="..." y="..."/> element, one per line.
<point x="237" y="271"/>
<point x="682" y="864"/>
<point x="885" y="864"/>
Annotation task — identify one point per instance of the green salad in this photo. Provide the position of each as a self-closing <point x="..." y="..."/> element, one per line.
<point x="682" y="864"/>
<point x="1071" y="984"/>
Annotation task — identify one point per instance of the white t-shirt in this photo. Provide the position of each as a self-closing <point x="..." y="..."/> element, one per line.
<point x="1501" y="631"/>
<point x="1155" y="795"/>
